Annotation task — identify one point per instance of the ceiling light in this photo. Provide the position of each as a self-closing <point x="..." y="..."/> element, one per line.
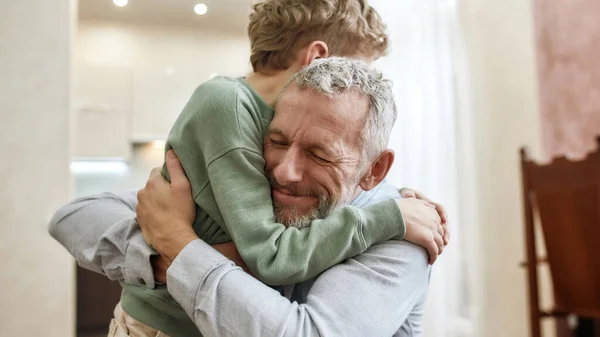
<point x="120" y="3"/>
<point x="200" y="9"/>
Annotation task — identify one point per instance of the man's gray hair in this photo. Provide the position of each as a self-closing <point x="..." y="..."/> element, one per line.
<point x="336" y="75"/>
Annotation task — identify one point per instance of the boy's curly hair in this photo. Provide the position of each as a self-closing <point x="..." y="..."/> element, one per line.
<point x="279" y="28"/>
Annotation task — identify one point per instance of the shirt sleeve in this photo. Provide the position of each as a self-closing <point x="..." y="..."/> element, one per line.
<point x="370" y="295"/>
<point x="102" y="233"/>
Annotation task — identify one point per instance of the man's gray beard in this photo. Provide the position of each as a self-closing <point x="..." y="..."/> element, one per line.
<point x="325" y="207"/>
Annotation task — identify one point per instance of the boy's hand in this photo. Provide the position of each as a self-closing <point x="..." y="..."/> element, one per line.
<point x="165" y="212"/>
<point x="159" y="268"/>
<point x="230" y="251"/>
<point x="423" y="226"/>
<point x="410" y="193"/>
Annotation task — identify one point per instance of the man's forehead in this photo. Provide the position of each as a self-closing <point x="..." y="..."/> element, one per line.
<point x="332" y="124"/>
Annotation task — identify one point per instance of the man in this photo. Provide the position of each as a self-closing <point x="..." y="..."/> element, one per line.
<point x="335" y="103"/>
<point x="219" y="134"/>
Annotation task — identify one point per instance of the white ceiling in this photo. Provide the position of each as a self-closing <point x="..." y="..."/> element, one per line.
<point x="226" y="15"/>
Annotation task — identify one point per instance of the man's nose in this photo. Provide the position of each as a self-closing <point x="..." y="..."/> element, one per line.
<point x="289" y="169"/>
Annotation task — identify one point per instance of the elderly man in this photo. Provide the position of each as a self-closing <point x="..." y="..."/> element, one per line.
<point x="339" y="107"/>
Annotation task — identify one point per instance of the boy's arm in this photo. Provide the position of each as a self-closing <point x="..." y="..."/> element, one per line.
<point x="219" y="142"/>
<point x="101" y="232"/>
<point x="280" y="255"/>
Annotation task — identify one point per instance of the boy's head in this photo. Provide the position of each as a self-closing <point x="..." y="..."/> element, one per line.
<point x="284" y="33"/>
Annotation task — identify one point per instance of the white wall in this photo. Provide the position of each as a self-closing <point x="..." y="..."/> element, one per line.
<point x="502" y="107"/>
<point x="37" y="277"/>
<point x="154" y="68"/>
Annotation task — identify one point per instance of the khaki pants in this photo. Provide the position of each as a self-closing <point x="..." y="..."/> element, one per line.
<point x="124" y="325"/>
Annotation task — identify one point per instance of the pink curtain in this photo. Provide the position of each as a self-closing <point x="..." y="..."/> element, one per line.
<point x="568" y="50"/>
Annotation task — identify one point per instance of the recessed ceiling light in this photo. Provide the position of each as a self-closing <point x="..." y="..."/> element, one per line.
<point x="200" y="9"/>
<point x="120" y="3"/>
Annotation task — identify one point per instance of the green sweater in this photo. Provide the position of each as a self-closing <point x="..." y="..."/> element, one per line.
<point x="218" y="137"/>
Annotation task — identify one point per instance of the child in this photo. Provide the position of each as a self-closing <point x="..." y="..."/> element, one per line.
<point x="218" y="138"/>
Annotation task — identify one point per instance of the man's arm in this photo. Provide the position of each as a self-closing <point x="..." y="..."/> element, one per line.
<point x="369" y="295"/>
<point x="102" y="234"/>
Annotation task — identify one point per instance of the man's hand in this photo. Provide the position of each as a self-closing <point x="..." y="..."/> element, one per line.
<point x="423" y="225"/>
<point x="165" y="212"/>
<point x="410" y="193"/>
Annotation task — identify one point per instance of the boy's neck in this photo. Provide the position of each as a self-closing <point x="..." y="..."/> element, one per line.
<point x="269" y="85"/>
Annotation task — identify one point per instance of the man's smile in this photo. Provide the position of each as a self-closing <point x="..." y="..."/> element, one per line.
<point x="286" y="197"/>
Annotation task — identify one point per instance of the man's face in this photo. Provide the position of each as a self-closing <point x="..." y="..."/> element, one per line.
<point x="312" y="152"/>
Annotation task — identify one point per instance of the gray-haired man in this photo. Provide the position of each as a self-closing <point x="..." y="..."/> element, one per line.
<point x="378" y="293"/>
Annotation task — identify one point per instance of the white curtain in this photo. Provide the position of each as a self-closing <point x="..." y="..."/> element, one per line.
<point x="421" y="66"/>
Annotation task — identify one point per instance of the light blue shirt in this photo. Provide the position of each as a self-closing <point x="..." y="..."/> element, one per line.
<point x="378" y="293"/>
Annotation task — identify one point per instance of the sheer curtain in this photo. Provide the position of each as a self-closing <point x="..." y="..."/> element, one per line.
<point x="421" y="66"/>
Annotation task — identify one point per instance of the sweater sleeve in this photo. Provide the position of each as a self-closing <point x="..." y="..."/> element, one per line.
<point x="280" y="255"/>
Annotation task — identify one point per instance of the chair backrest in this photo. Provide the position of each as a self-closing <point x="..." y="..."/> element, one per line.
<point x="566" y="195"/>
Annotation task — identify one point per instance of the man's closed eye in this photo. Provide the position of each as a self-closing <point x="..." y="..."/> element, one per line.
<point x="277" y="142"/>
<point x="319" y="159"/>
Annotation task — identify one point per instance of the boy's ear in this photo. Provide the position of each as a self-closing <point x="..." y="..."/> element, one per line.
<point x="315" y="50"/>
<point x="377" y="171"/>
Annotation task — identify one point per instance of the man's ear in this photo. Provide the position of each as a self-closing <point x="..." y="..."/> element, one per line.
<point x="315" y="50"/>
<point x="378" y="170"/>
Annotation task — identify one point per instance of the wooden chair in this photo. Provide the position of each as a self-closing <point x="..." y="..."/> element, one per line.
<point x="566" y="196"/>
